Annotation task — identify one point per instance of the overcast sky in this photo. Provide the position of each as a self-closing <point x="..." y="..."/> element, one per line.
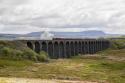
<point x="23" y="16"/>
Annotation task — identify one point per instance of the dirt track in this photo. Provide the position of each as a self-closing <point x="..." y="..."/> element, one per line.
<point x="26" y="80"/>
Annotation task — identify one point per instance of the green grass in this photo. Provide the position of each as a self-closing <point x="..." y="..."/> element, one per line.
<point x="11" y="63"/>
<point x="77" y="68"/>
<point x="112" y="52"/>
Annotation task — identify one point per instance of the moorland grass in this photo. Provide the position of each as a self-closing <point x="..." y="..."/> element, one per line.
<point x="91" y="69"/>
<point x="10" y="63"/>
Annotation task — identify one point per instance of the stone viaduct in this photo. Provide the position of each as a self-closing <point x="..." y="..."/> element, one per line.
<point x="65" y="48"/>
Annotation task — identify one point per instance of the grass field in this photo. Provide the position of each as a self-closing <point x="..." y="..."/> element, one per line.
<point x="104" y="67"/>
<point x="98" y="68"/>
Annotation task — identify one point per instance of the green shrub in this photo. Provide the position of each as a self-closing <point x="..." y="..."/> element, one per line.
<point x="29" y="54"/>
<point x="118" y="44"/>
<point x="10" y="53"/>
<point x="15" y="50"/>
<point x="14" y="54"/>
<point x="5" y="51"/>
<point x="114" y="46"/>
<point x="17" y="55"/>
<point x="43" y="56"/>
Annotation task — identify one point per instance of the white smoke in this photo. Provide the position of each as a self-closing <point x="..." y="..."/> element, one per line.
<point x="46" y="35"/>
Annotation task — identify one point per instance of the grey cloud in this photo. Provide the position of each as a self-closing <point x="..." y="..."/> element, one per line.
<point x="79" y="14"/>
<point x="7" y="6"/>
<point x="12" y="2"/>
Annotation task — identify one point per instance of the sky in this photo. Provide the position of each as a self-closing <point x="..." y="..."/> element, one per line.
<point x="24" y="16"/>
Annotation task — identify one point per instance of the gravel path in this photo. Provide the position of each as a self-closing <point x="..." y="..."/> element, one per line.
<point x="31" y="80"/>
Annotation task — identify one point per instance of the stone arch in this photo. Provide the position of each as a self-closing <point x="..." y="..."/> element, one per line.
<point x="83" y="47"/>
<point x="72" y="46"/>
<point x="56" y="50"/>
<point x="103" y="45"/>
<point x="37" y="47"/>
<point x="44" y="47"/>
<point x="68" y="49"/>
<point x="86" y="48"/>
<point x="90" y="47"/>
<point x="76" y="48"/>
<point x="61" y="47"/>
<point x="80" y="47"/>
<point x="93" y="46"/>
<point x="96" y="45"/>
<point x="107" y="44"/>
<point x="30" y="45"/>
<point x="99" y="45"/>
<point x="50" y="49"/>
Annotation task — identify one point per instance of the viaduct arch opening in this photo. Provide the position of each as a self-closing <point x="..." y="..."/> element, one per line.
<point x="62" y="52"/>
<point x="50" y="51"/>
<point x="85" y="47"/>
<point x="56" y="50"/>
<point x="44" y="47"/>
<point x="79" y="47"/>
<point x="76" y="48"/>
<point x="68" y="50"/>
<point x="72" y="46"/>
<point x="37" y="47"/>
<point x="30" y="45"/>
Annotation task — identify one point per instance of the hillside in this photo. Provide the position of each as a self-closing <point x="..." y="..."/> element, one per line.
<point x="13" y="44"/>
<point x="16" y="50"/>
<point x="82" y="34"/>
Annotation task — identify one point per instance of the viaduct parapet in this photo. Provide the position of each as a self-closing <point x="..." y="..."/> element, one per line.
<point x="65" y="48"/>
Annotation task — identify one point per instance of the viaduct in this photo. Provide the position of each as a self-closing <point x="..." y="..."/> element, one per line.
<point x="65" y="48"/>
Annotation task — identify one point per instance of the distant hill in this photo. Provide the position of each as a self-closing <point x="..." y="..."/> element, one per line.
<point x="9" y="36"/>
<point x="83" y="34"/>
<point x="71" y="34"/>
